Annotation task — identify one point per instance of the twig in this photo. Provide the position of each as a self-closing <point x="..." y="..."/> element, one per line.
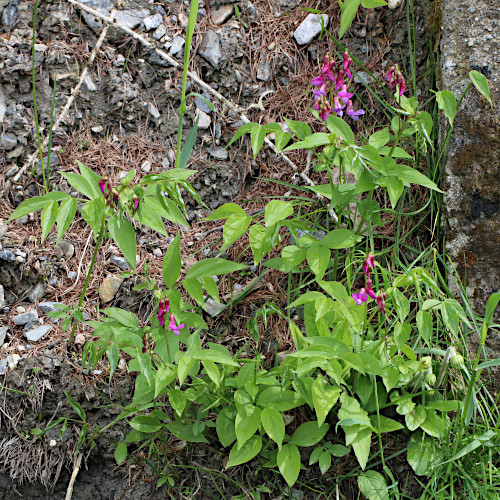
<point x="76" y="468"/>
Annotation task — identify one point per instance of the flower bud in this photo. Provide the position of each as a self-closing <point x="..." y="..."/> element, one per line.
<point x="430" y="379"/>
<point x="425" y="362"/>
<point x="457" y="361"/>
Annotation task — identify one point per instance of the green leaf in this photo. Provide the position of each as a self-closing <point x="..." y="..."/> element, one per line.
<point x="188" y="145"/>
<point x="424" y="454"/>
<point x="289" y="463"/>
<point x="126" y="318"/>
<point x="261" y="241"/>
<point x="300" y="129"/>
<point x="380" y="138"/>
<point x="415" y="417"/>
<point x="76" y="407"/>
<point x="447" y="102"/>
<point x="281" y="139"/>
<point x="150" y="217"/>
<point x="177" y="400"/>
<point x="28" y="207"/>
<point x="194" y="290"/>
<point x="292" y="256"/>
<point x="371" y="4"/>
<point x="348" y="8"/>
<point x="80" y="184"/>
<point x="324" y="397"/>
<point x="246" y="425"/>
<point x="113" y="354"/>
<point x="48" y="218"/>
<point x="235" y="226"/>
<point x="325" y="461"/>
<point x="257" y="137"/>
<point x="225" y="211"/>
<point x="225" y="426"/>
<point x="424" y="325"/>
<point x="408" y="174"/>
<point x="402" y="304"/>
<point x="386" y="424"/>
<point x="65" y="215"/>
<point x="402" y="332"/>
<point x="171" y="267"/>
<point x="123" y="234"/>
<point x="214" y="355"/>
<point x="373" y="486"/>
<point x="245" y="453"/>
<point x="433" y="425"/>
<point x="340" y="238"/>
<point x="489" y="363"/>
<point x="211" y="288"/>
<point x="278" y="399"/>
<point x="335" y="289"/>
<point x="92" y="213"/>
<point x="92" y="179"/>
<point x="121" y="452"/>
<point x="166" y="208"/>
<point x="186" y="432"/>
<point x="164" y="376"/>
<point x="273" y="424"/>
<point x="244" y="129"/>
<point x="213" y="266"/>
<point x="309" y="433"/>
<point x="395" y="189"/>
<point x="481" y="83"/>
<point x="277" y="210"/>
<point x="340" y="128"/>
<point x="318" y="258"/>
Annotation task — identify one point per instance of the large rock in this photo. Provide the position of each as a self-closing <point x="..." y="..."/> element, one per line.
<point x="470" y="40"/>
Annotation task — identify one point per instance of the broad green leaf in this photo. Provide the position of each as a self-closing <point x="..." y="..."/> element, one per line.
<point x="324" y="397"/>
<point x="318" y="258"/>
<point x="335" y="289"/>
<point x="48" y="218"/>
<point x="278" y="399"/>
<point x="92" y="179"/>
<point x="447" y="102"/>
<point x="340" y="238"/>
<point x="92" y="212"/>
<point x="211" y="288"/>
<point x="146" y="423"/>
<point x="186" y="432"/>
<point x="424" y="454"/>
<point x="121" y="452"/>
<point x="395" y="189"/>
<point x="276" y="211"/>
<point x="246" y="426"/>
<point x="380" y="138"/>
<point x="415" y="417"/>
<point x="281" y="139"/>
<point x="371" y="4"/>
<point x="124" y="235"/>
<point x="29" y="206"/>
<point x="171" y="267"/>
<point x="408" y="174"/>
<point x="309" y="433"/>
<point x="348" y="8"/>
<point x="80" y="184"/>
<point x="289" y="463"/>
<point x="178" y="400"/>
<point x="424" y="325"/>
<point x="225" y="426"/>
<point x="150" y="217"/>
<point x="245" y="453"/>
<point x="257" y="137"/>
<point x="402" y="304"/>
<point x="261" y="241"/>
<point x="292" y="256"/>
<point x="164" y="376"/>
<point x="126" y="318"/>
<point x="300" y="129"/>
<point x="386" y="424"/>
<point x="65" y="215"/>
<point x="214" y="355"/>
<point x="244" y="129"/>
<point x="340" y="128"/>
<point x="194" y="290"/>
<point x="235" y="226"/>
<point x="225" y="211"/>
<point x="129" y="177"/>
<point x="433" y="424"/>
<point x="373" y="486"/>
<point x="167" y="209"/>
<point x="113" y="354"/>
<point x="481" y="83"/>
<point x="213" y="267"/>
<point x="450" y="317"/>
<point x="273" y="424"/>
<point x="402" y="332"/>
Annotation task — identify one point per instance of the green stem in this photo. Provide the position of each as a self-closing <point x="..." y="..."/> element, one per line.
<point x="87" y="279"/>
<point x="35" y="107"/>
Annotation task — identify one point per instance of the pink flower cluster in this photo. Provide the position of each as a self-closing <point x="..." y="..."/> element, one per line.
<point x="111" y="195"/>
<point x="342" y="99"/>
<point x="364" y="293"/>
<point x="396" y="80"/>
<point x="162" y="314"/>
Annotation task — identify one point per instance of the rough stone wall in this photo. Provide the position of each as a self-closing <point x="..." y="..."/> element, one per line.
<point x="471" y="41"/>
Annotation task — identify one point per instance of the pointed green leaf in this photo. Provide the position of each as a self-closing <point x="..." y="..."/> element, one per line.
<point x="273" y="424"/>
<point x="481" y="83"/>
<point x="123" y="234"/>
<point x="171" y="266"/>
<point x="48" y="218"/>
<point x="213" y="266"/>
<point x="65" y="215"/>
<point x="121" y="452"/>
<point x="373" y="486"/>
<point x="289" y="463"/>
<point x="245" y="453"/>
<point x="348" y="8"/>
<point x="276" y="211"/>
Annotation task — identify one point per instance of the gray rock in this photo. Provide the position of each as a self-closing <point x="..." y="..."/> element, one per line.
<point x="160" y="32"/>
<point x="309" y="28"/>
<point x="27" y="317"/>
<point x="222" y="14"/>
<point x="210" y="48"/>
<point x="10" y="14"/>
<point x="120" y="262"/>
<point x="54" y="162"/>
<point x="218" y="153"/>
<point x="286" y="6"/>
<point x="202" y="105"/>
<point x="7" y="255"/>
<point x="46" y="307"/>
<point x="363" y="77"/>
<point x="2" y="297"/>
<point x="38" y="333"/>
<point x="3" y="334"/>
<point x="152" y="22"/>
<point x="213" y="307"/>
<point x="109" y="287"/>
<point x="204" y="120"/>
<point x="131" y="18"/>
<point x="177" y="44"/>
<point x="3" y="366"/>
<point x="153" y="111"/>
<point x="7" y="142"/>
<point x="72" y="275"/>
<point x="263" y="70"/>
<point x="37" y="293"/>
<point x="3" y="106"/>
<point x="65" y="249"/>
<point x="102" y="6"/>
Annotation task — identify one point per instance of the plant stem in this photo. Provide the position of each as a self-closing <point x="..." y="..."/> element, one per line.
<point x="87" y="279"/>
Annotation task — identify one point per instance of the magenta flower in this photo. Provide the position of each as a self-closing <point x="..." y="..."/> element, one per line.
<point x="326" y="72"/>
<point x="369" y="289"/>
<point x="136" y="203"/>
<point x="321" y="92"/>
<point x="396" y="79"/>
<point x="337" y="107"/>
<point x="340" y="80"/>
<point x="163" y="308"/>
<point x="353" y="114"/>
<point x="381" y="302"/>
<point x="369" y="264"/>
<point x="360" y="297"/>
<point x="104" y="185"/>
<point x="343" y="95"/>
<point x="318" y="81"/>
<point x="173" y="327"/>
<point x="347" y="64"/>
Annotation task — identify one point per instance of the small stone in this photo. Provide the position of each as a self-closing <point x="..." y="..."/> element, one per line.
<point x="204" y="121"/>
<point x="2" y="297"/>
<point x="3" y="366"/>
<point x="109" y="287"/>
<point x="65" y="249"/>
<point x="3" y="334"/>
<point x="210" y="48"/>
<point x="80" y="339"/>
<point x="201" y="104"/>
<point x="146" y="166"/>
<point x="218" y="153"/>
<point x="47" y="307"/>
<point x="122" y="364"/>
<point x="21" y="309"/>
<point x="394" y="4"/>
<point x="152" y="22"/>
<point x="40" y="47"/>
<point x="131" y="18"/>
<point x="213" y="307"/>
<point x="153" y="111"/>
<point x="222" y="14"/>
<point x="27" y="317"/>
<point x="120" y="262"/>
<point x="157" y="252"/>
<point x="89" y="83"/>
<point x="7" y="255"/>
<point x="72" y="275"/>
<point x="160" y="32"/>
<point x="97" y="129"/>
<point x="177" y="44"/>
<point x="7" y="142"/>
<point x="37" y="293"/>
<point x="37" y="333"/>
<point x="10" y="14"/>
<point x="363" y="77"/>
<point x="52" y="443"/>
<point x="13" y="360"/>
<point x="19" y="259"/>
<point x="309" y="28"/>
<point x="263" y="71"/>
